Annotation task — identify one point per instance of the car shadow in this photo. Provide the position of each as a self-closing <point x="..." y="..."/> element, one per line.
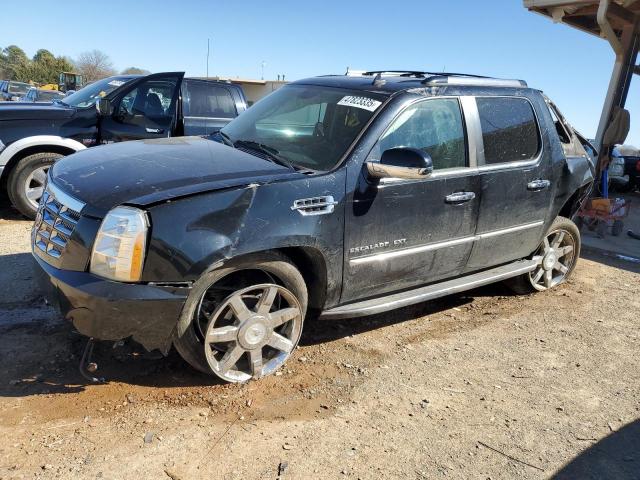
<point x="7" y="212"/>
<point x="612" y="259"/>
<point x="49" y="350"/>
<point x="617" y="456"/>
<point x="50" y="354"/>
<point x="323" y="331"/>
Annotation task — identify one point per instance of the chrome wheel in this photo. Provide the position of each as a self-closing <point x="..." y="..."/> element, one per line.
<point x="252" y="332"/>
<point x="34" y="185"/>
<point x="555" y="259"/>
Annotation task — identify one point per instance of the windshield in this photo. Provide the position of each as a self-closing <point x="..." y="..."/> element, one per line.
<point x="47" y="96"/>
<point x="308" y="126"/>
<point x="20" y="88"/>
<point x="91" y="93"/>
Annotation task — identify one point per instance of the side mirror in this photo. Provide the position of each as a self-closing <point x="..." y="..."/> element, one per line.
<point x="402" y="162"/>
<point x="104" y="107"/>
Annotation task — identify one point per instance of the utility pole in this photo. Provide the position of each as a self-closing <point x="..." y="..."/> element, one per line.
<point x="263" y="64"/>
<point x="207" y="58"/>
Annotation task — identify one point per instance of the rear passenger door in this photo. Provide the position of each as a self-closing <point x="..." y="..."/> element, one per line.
<point x="515" y="175"/>
<point x="206" y="107"/>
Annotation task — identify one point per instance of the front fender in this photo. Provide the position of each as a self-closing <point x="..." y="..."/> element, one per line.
<point x="191" y="235"/>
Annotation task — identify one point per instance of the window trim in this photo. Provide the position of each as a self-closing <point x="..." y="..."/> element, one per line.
<point x="444" y="172"/>
<point x="185" y="85"/>
<point x="119" y="93"/>
<point x="554" y="110"/>
<point x="482" y="166"/>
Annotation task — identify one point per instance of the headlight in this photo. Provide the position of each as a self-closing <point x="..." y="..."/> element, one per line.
<point x="118" y="251"/>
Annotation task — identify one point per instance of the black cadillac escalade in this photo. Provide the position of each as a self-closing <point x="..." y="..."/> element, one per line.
<point x="334" y="196"/>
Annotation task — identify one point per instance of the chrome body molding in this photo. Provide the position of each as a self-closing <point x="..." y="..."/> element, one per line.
<point x="504" y="231"/>
<point x="383" y="257"/>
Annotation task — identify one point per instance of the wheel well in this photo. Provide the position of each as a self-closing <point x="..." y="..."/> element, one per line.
<point x="30" y="151"/>
<point x="574" y="202"/>
<point x="311" y="264"/>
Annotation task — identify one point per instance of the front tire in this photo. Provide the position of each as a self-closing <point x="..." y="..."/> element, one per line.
<point x="556" y="259"/>
<point x="26" y="181"/>
<point x="243" y="321"/>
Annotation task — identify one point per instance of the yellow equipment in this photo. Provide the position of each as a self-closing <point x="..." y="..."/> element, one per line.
<point x="70" y="81"/>
<point x="49" y="86"/>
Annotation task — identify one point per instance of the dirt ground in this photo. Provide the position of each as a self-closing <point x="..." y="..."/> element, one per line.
<point x="482" y="385"/>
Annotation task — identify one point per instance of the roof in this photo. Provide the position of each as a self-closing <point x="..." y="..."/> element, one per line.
<point x="582" y="14"/>
<point x="394" y="81"/>
<point x="239" y="81"/>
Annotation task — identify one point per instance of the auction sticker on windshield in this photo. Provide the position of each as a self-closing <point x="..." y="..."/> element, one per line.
<point x="360" y="102"/>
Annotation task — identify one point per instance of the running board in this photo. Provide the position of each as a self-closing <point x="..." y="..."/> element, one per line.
<point x="422" y="294"/>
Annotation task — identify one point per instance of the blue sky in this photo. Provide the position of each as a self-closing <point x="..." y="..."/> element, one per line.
<point x="301" y="39"/>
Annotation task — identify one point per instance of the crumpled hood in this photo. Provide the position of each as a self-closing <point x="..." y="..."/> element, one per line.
<point x="34" y="111"/>
<point x="149" y="171"/>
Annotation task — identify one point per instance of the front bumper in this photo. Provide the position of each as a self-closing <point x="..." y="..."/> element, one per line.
<point x="107" y="310"/>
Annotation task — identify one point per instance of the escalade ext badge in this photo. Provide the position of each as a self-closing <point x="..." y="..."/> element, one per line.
<point x="229" y="271"/>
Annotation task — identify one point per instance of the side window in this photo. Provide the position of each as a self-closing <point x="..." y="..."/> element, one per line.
<point x="151" y="99"/>
<point x="509" y="129"/>
<point x="202" y="99"/>
<point x="434" y="126"/>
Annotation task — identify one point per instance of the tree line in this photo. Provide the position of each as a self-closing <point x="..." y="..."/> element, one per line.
<point x="44" y="67"/>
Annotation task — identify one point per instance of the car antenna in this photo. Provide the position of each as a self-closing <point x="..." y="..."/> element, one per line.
<point x="378" y="81"/>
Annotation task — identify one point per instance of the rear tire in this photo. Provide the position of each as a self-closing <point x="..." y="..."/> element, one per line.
<point x="189" y="335"/>
<point x="26" y="181"/>
<point x="557" y="256"/>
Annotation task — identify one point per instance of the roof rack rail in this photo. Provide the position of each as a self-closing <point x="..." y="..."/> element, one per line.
<point x="473" y="80"/>
<point x="448" y="78"/>
<point x="398" y="73"/>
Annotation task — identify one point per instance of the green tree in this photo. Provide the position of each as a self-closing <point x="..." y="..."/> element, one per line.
<point x="135" y="71"/>
<point x="15" y="63"/>
<point x="46" y="68"/>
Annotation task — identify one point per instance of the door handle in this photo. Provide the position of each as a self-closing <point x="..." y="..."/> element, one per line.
<point x="537" y="185"/>
<point x="155" y="130"/>
<point x="459" y="197"/>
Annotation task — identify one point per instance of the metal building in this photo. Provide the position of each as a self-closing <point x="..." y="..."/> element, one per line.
<point x="617" y="21"/>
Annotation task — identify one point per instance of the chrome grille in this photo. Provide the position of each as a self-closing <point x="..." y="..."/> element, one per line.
<point x="57" y="217"/>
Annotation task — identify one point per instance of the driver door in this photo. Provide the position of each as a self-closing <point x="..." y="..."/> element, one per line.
<point x="400" y="234"/>
<point x="147" y="109"/>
